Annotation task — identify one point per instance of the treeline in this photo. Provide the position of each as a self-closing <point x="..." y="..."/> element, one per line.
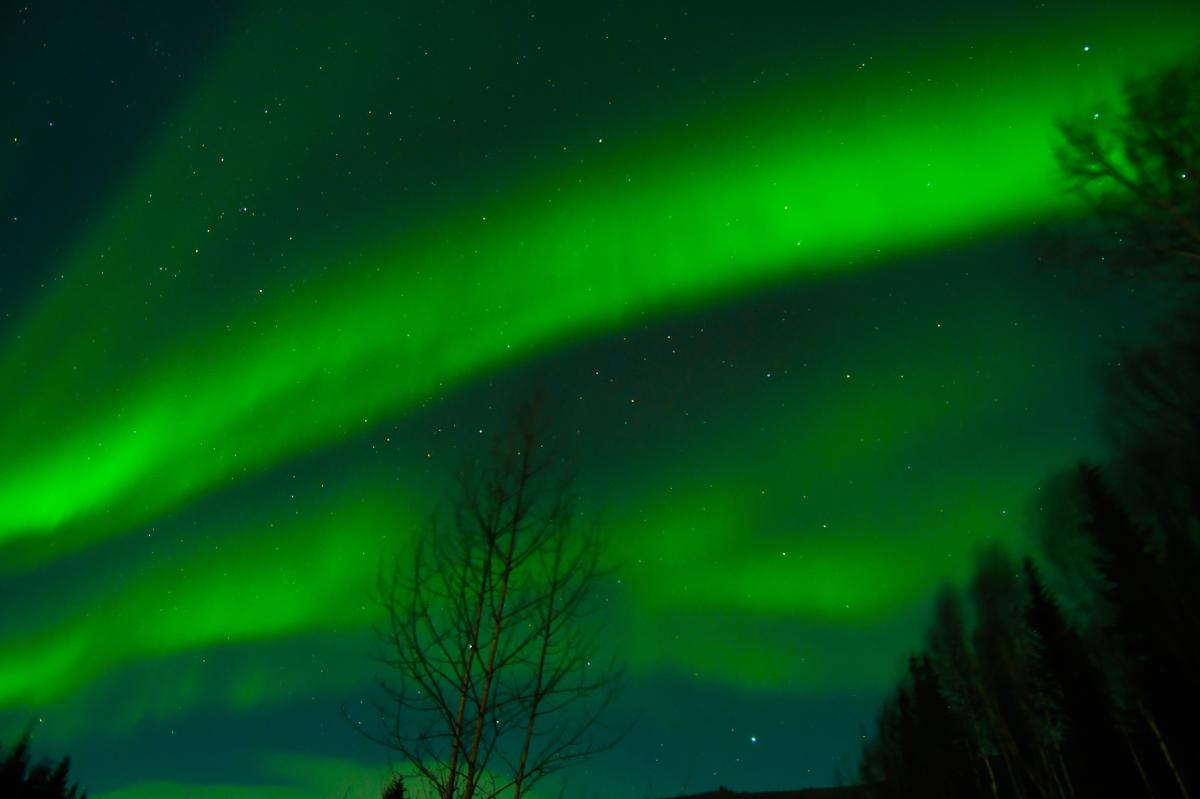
<point x="1076" y="672"/>
<point x="1013" y="698"/>
<point x="23" y="778"/>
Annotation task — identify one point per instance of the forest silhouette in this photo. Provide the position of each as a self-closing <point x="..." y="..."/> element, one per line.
<point x="22" y="778"/>
<point x="1074" y="671"/>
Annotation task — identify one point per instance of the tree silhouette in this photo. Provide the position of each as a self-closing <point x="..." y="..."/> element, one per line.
<point x="944" y="757"/>
<point x="395" y="789"/>
<point x="1154" y="419"/>
<point x="958" y="673"/>
<point x="1099" y="701"/>
<point x="496" y="671"/>
<point x="1091" y="755"/>
<point x="20" y="778"/>
<point x="1019" y="712"/>
<point x="1138" y="171"/>
<point x="1143" y="649"/>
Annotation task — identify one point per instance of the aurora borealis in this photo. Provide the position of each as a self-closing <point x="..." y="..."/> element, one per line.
<point x="268" y="272"/>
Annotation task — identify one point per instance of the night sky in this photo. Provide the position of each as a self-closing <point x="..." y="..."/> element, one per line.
<point x="269" y="272"/>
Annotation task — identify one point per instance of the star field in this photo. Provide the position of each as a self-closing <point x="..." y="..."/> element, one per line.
<point x="268" y="274"/>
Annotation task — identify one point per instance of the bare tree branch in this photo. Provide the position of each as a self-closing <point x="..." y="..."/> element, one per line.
<point x="495" y="675"/>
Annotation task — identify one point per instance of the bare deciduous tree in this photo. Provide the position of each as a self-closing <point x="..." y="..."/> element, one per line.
<point x="491" y="641"/>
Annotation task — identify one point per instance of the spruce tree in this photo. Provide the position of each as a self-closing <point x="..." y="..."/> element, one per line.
<point x="21" y="778"/>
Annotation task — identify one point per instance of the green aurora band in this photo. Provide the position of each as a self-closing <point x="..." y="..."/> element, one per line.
<point x="282" y="567"/>
<point x="817" y="180"/>
<point x="813" y="180"/>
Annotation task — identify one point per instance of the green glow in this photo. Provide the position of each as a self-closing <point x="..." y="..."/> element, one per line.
<point x="261" y="583"/>
<point x="285" y="776"/>
<point x="705" y="550"/>
<point x="818" y="179"/>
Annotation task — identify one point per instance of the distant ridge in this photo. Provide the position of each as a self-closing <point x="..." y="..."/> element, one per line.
<point x="847" y="792"/>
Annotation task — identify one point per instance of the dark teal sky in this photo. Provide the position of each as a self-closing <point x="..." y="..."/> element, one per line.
<point x="267" y="273"/>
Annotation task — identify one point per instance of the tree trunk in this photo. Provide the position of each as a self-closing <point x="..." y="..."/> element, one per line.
<point x="987" y="761"/>
<point x="1162" y="747"/>
<point x="1062" y="765"/>
<point x="1012" y="774"/>
<point x="1054" y="774"/>
<point x="490" y="671"/>
<point x="1137" y="761"/>
<point x="519" y="781"/>
<point x="464" y="687"/>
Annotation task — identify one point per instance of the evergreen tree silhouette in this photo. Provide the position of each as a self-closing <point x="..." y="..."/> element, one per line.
<point x="1093" y="758"/>
<point x="1154" y="418"/>
<point x="958" y="674"/>
<point x="944" y="759"/>
<point x="1152" y="679"/>
<point x="22" y="779"/>
<point x="1016" y="711"/>
<point x="395" y="789"/>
